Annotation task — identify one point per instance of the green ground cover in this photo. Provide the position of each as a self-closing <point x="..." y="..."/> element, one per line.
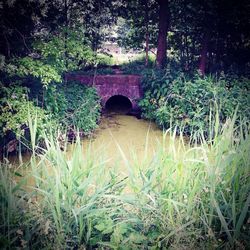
<point x="200" y="200"/>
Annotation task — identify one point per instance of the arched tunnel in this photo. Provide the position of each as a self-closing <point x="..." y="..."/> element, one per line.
<point x="118" y="104"/>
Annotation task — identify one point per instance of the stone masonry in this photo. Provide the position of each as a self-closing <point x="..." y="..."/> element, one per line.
<point x="111" y="85"/>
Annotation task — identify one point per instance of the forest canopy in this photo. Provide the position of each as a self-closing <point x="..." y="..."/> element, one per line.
<point x="210" y="35"/>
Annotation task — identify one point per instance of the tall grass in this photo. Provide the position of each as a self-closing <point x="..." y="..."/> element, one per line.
<point x="14" y="219"/>
<point x="198" y="198"/>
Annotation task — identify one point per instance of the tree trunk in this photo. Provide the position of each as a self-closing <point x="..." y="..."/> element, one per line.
<point x="147" y="33"/>
<point x="7" y="45"/>
<point x="66" y="32"/>
<point x="161" y="55"/>
<point x="147" y="48"/>
<point x="203" y="56"/>
<point x="187" y="63"/>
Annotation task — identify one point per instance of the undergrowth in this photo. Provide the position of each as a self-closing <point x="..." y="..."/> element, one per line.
<point x="172" y="98"/>
<point x="182" y="198"/>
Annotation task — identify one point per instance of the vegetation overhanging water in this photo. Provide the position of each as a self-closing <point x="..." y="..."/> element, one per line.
<point x="118" y="139"/>
<point x="193" y="199"/>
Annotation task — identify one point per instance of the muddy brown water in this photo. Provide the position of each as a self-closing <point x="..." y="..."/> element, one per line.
<point x="128" y="132"/>
<point x="121" y="139"/>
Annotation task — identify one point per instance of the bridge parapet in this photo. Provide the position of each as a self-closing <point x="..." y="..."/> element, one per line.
<point x="104" y="79"/>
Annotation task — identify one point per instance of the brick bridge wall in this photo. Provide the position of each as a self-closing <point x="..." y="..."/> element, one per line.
<point x="111" y="85"/>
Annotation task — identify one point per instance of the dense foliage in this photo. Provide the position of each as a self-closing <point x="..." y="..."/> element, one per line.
<point x="70" y="106"/>
<point x="16" y="110"/>
<point x="53" y="56"/>
<point x="74" y="105"/>
<point x="171" y="99"/>
<point x="33" y="85"/>
<point x="181" y="198"/>
<point x="215" y="31"/>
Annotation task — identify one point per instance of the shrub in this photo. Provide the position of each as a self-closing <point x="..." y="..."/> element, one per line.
<point x="16" y="110"/>
<point x="172" y="99"/>
<point x="54" y="56"/>
<point x="76" y="55"/>
<point x="102" y="59"/>
<point x="74" y="105"/>
<point x="82" y="106"/>
<point x="137" y="66"/>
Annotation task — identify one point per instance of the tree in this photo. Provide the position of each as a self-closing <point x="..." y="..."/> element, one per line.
<point x="162" y="34"/>
<point x="209" y="36"/>
<point x="138" y="27"/>
<point x="97" y="17"/>
<point x="18" y="20"/>
<point x="215" y="34"/>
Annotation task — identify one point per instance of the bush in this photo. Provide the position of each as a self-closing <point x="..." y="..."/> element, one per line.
<point x="76" y="55"/>
<point x="137" y="65"/>
<point x="102" y="59"/>
<point x="83" y="106"/>
<point x="172" y="99"/>
<point x="16" y="110"/>
<point x="74" y="105"/>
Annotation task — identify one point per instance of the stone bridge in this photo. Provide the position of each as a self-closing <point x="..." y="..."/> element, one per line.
<point x="108" y="86"/>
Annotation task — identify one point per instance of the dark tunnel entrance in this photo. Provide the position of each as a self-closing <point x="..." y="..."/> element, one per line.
<point x="118" y="104"/>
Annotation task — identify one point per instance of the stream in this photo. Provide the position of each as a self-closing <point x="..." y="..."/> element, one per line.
<point x="121" y="138"/>
<point x="121" y="143"/>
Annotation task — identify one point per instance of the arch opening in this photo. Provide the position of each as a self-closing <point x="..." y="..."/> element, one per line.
<point x="118" y="104"/>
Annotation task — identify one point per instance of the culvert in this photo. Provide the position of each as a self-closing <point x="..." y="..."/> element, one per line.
<point x="118" y="104"/>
